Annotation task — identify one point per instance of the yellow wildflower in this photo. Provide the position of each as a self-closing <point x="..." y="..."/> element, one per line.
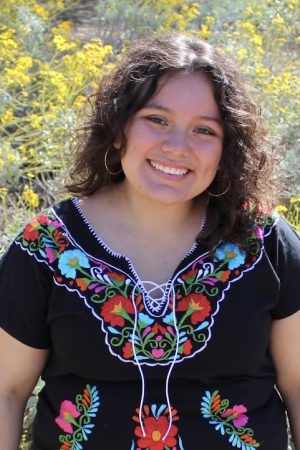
<point x="256" y="39"/>
<point x="40" y="11"/>
<point x="248" y="27"/>
<point x="1" y="163"/>
<point x="204" y="31"/>
<point x="262" y="71"/>
<point x="62" y="44"/>
<point x="35" y="121"/>
<point x="210" y="20"/>
<point x="62" y="28"/>
<point x="24" y="62"/>
<point x="241" y="53"/>
<point x="294" y="200"/>
<point x="10" y="157"/>
<point x="7" y="117"/>
<point x="30" y="197"/>
<point x="79" y="102"/>
<point x="280" y="208"/>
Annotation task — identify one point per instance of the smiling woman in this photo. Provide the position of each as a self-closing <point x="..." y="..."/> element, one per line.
<point x="174" y="143"/>
<point x="161" y="303"/>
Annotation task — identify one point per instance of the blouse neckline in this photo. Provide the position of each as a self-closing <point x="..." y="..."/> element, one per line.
<point x="115" y="254"/>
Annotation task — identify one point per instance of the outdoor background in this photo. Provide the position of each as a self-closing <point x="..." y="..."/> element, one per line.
<point x="53" y="53"/>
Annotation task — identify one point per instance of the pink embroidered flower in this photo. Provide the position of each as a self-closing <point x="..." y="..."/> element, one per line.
<point x="67" y="413"/>
<point x="236" y="414"/>
<point x="259" y="232"/>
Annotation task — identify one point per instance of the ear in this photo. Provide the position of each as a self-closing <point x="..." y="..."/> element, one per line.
<point x="117" y="144"/>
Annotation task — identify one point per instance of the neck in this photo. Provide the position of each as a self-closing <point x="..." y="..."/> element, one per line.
<point x="154" y="217"/>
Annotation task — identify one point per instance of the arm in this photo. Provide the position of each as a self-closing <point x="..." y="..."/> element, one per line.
<point x="20" y="368"/>
<point x="285" y="349"/>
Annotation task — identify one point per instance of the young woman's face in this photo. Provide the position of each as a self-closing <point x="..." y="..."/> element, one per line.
<point x="174" y="143"/>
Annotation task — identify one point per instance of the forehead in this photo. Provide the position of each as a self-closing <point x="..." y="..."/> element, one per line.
<point x="185" y="90"/>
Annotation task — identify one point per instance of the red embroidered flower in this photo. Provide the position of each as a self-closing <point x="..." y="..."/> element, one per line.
<point x="116" y="309"/>
<point x="66" y="446"/>
<point x="157" y="328"/>
<point x="61" y="240"/>
<point x="155" y="430"/>
<point x="196" y="305"/>
<point x="127" y="350"/>
<point x="31" y="232"/>
<point x="67" y="413"/>
<point x="236" y="414"/>
<point x="187" y="347"/>
<point x="43" y="219"/>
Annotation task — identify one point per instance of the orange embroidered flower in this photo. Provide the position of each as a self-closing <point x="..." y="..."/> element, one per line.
<point x="118" y="277"/>
<point x="81" y="283"/>
<point x="190" y="275"/>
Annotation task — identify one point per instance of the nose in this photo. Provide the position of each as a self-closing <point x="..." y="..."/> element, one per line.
<point x="176" y="143"/>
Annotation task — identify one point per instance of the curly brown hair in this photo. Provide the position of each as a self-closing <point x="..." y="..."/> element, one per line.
<point x="246" y="161"/>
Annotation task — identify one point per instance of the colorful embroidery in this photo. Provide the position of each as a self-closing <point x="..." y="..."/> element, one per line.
<point x="228" y="421"/>
<point x="155" y="425"/>
<point x="75" y="419"/>
<point x="118" y="299"/>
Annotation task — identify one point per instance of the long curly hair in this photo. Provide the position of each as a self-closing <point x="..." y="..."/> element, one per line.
<point x="246" y="163"/>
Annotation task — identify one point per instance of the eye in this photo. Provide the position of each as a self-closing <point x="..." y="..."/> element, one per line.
<point x="157" y="120"/>
<point x="204" y="130"/>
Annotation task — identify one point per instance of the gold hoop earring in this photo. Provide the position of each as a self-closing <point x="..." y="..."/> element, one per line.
<point x="222" y="193"/>
<point x="106" y="166"/>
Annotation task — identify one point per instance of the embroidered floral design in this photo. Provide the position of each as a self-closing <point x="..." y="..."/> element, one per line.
<point x="228" y="421"/>
<point x="230" y="253"/>
<point x="117" y="310"/>
<point x="70" y="261"/>
<point x="75" y="419"/>
<point x="133" y="333"/>
<point x="67" y="413"/>
<point x="155" y="424"/>
<point x="196" y="307"/>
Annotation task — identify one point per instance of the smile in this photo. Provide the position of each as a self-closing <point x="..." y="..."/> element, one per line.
<point x="166" y="169"/>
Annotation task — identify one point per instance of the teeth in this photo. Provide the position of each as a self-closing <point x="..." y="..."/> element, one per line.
<point x="170" y="170"/>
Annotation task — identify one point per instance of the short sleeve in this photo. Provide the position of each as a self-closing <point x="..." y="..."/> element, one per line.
<point x="285" y="250"/>
<point x="25" y="290"/>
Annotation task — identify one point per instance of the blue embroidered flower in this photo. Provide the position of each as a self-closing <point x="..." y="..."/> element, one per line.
<point x="145" y="320"/>
<point x="72" y="260"/>
<point x="231" y="253"/>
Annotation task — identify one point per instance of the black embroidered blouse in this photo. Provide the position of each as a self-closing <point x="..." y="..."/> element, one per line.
<point x="190" y="370"/>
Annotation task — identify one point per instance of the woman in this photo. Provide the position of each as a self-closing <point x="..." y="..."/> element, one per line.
<point x="160" y="305"/>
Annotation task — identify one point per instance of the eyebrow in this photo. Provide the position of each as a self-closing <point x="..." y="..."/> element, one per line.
<point x="153" y="105"/>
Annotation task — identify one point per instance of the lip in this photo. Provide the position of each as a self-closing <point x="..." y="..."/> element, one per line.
<point x="170" y="166"/>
